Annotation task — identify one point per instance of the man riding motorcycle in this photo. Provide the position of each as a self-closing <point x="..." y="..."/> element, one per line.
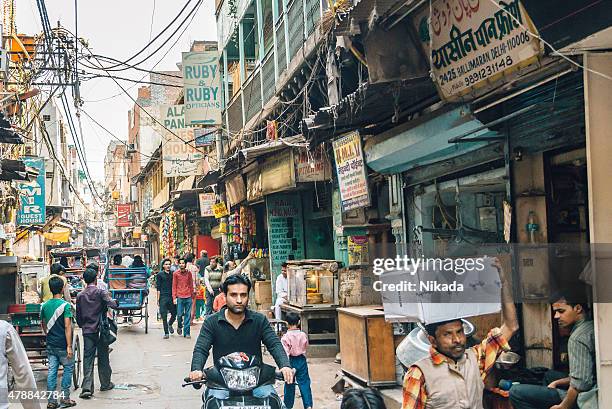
<point x="235" y="328"/>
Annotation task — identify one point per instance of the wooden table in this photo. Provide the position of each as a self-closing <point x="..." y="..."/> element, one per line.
<point x="321" y="344"/>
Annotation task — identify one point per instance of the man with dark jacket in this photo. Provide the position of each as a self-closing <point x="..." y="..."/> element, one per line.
<point x="237" y="329"/>
<point x="164" y="297"/>
<point x="91" y="303"/>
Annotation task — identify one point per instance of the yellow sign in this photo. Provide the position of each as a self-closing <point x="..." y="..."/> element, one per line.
<point x="220" y="210"/>
<point x="222" y="228"/>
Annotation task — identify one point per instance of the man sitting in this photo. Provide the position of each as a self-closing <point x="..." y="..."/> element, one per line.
<point x="580" y="385"/>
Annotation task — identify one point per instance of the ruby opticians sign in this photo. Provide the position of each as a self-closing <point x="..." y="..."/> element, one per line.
<point x="202" y="86"/>
<point x="476" y="43"/>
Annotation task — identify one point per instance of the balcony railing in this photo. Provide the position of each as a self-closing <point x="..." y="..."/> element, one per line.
<point x="292" y="29"/>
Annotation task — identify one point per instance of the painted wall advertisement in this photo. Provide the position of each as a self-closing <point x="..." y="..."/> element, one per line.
<point x="351" y="171"/>
<point x="202" y="86"/>
<point x="178" y="157"/>
<point x="32" y="209"/>
<point x="123" y="215"/>
<point x="474" y="43"/>
<point x="207" y="201"/>
<point x="285" y="229"/>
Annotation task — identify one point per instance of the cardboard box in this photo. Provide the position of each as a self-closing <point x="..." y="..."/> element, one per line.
<point x="263" y="292"/>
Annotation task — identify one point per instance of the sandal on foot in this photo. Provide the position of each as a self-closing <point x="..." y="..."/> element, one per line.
<point x="52" y="405"/>
<point x="68" y="403"/>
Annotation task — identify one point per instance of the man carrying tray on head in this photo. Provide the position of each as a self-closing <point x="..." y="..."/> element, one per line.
<point x="451" y="376"/>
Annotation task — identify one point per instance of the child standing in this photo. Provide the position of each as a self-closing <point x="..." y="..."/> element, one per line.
<point x="200" y="301"/>
<point x="219" y="302"/>
<point x="56" y="317"/>
<point x="295" y="343"/>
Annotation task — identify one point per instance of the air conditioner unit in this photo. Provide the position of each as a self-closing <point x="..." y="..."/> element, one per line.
<point x="131" y="148"/>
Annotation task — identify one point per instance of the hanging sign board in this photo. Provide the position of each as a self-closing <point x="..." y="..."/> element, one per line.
<point x="278" y="172"/>
<point x="220" y="210"/>
<point x="254" y="186"/>
<point x="235" y="189"/>
<point x="312" y="166"/>
<point x="178" y="157"/>
<point x="475" y="43"/>
<point x="202" y="84"/>
<point x="358" y="250"/>
<point x="204" y="136"/>
<point x="123" y="215"/>
<point x="207" y="201"/>
<point x="32" y="208"/>
<point x="351" y="171"/>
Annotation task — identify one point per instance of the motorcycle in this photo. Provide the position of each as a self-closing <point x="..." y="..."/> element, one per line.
<point x="233" y="382"/>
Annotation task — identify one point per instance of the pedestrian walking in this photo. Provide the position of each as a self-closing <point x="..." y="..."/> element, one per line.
<point x="92" y="302"/>
<point x="195" y="272"/>
<point x="202" y="262"/>
<point x="182" y="294"/>
<point x="366" y="398"/>
<point x="56" y="315"/>
<point x="164" y="297"/>
<point x="200" y="298"/>
<point x="213" y="278"/>
<point x="175" y="264"/>
<point x="13" y="353"/>
<point x="295" y="342"/>
<point x="57" y="270"/>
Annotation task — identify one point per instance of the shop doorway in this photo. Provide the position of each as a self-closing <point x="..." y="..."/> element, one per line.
<point x="567" y="224"/>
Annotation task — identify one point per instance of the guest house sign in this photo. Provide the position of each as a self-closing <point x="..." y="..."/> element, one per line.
<point x="475" y="43"/>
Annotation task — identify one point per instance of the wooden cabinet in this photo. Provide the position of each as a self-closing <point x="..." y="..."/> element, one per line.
<point x="366" y="345"/>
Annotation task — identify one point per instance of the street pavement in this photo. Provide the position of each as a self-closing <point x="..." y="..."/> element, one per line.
<point x="148" y="371"/>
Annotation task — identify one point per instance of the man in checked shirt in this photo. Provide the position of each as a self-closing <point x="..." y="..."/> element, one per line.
<point x="451" y="377"/>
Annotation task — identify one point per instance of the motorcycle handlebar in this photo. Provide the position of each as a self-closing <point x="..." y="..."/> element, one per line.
<point x="278" y="375"/>
<point x="195" y="384"/>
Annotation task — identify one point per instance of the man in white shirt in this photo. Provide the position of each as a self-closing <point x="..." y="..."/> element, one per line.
<point x="281" y="288"/>
<point x="13" y="353"/>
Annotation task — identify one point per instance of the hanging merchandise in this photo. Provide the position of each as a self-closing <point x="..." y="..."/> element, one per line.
<point x="167" y="229"/>
<point x="236" y="227"/>
<point x="247" y="228"/>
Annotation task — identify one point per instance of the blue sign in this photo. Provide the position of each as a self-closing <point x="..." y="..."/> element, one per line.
<point x="204" y="136"/>
<point x="32" y="195"/>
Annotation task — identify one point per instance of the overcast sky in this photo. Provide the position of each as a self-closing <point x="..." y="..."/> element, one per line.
<point x="118" y="29"/>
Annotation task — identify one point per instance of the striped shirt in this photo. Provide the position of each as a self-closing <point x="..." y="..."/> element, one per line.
<point x="581" y="352"/>
<point x="415" y="391"/>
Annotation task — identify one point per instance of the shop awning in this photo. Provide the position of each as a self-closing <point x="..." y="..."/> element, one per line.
<point x="273" y="146"/>
<point x="424" y="141"/>
<point x="185" y="184"/>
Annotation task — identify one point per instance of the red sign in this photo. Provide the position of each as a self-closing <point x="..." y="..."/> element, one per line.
<point x="123" y="215"/>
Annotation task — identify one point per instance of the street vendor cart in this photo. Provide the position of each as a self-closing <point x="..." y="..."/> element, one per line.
<point x="129" y="285"/>
<point x="25" y="317"/>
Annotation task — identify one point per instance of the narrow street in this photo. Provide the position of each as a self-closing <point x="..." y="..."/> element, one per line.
<point x="148" y="371"/>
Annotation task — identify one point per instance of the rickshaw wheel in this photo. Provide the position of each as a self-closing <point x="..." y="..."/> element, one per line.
<point x="76" y="374"/>
<point x="146" y="317"/>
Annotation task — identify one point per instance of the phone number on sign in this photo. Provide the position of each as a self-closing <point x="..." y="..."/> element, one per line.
<point x="35" y="395"/>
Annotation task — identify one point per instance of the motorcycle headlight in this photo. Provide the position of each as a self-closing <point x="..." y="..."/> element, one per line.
<point x="241" y="379"/>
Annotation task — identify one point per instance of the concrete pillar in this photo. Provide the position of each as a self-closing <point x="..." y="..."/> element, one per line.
<point x="598" y="111"/>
